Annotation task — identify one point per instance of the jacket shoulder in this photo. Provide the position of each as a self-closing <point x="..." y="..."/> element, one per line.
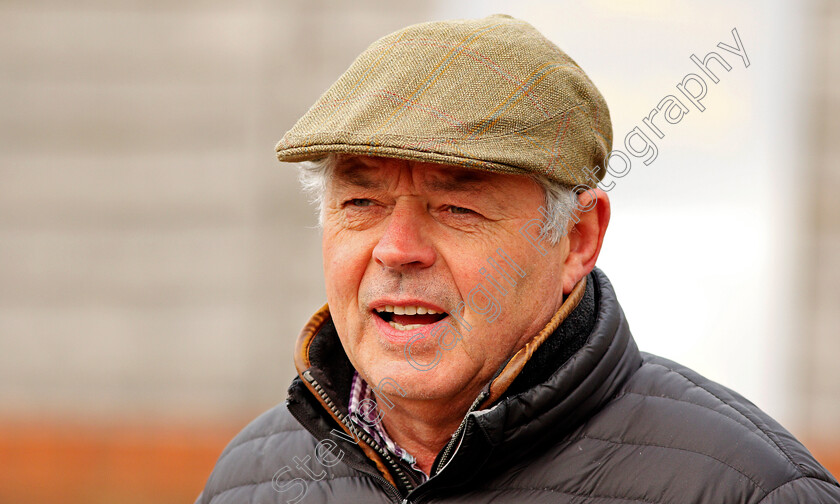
<point x="695" y="430"/>
<point x="250" y="460"/>
<point x="274" y="460"/>
<point x="274" y="423"/>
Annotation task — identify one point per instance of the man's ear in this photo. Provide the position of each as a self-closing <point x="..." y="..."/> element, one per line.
<point x="585" y="236"/>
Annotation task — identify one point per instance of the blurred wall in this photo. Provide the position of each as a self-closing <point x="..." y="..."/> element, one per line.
<point x="156" y="258"/>
<point x="820" y="373"/>
<point x="157" y="263"/>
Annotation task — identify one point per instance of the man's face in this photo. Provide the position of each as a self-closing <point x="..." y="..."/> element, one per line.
<point x="402" y="238"/>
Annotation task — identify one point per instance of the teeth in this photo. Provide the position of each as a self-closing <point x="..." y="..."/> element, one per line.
<point x="407" y="310"/>
<point x="401" y="327"/>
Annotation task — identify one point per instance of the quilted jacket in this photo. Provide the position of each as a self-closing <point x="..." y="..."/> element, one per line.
<point x="579" y="416"/>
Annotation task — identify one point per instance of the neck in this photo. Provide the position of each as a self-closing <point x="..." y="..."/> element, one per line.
<point x="424" y="427"/>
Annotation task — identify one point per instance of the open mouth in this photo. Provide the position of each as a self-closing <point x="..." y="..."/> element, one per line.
<point x="406" y="318"/>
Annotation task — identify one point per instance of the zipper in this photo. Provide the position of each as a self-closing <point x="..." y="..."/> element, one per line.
<point x="362" y="435"/>
<point x="447" y="451"/>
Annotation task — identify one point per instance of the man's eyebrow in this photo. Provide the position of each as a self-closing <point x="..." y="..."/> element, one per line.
<point x="461" y="181"/>
<point x="353" y="173"/>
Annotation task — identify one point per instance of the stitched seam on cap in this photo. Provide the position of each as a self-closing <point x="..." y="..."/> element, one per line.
<point x="303" y="136"/>
<point x="473" y="161"/>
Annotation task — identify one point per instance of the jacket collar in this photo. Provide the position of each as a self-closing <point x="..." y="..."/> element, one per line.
<point x="568" y="371"/>
<point x="511" y="371"/>
<point x="593" y="353"/>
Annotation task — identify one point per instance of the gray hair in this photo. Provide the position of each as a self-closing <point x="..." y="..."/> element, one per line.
<point x="560" y="200"/>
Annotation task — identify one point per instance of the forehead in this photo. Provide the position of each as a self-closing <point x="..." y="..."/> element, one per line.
<point x="374" y="172"/>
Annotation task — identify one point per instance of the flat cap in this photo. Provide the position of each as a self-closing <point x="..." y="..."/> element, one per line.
<point x="491" y="94"/>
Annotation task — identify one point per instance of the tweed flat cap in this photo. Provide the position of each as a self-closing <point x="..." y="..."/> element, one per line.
<point x="491" y="94"/>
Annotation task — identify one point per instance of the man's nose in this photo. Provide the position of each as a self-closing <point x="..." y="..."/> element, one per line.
<point x="404" y="243"/>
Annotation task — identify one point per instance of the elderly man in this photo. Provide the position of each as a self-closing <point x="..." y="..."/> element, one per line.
<point x="470" y="351"/>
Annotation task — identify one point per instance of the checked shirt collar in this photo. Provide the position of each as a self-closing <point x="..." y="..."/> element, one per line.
<point x="359" y="391"/>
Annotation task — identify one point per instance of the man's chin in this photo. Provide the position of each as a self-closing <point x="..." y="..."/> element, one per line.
<point x="438" y="383"/>
<point x="420" y="339"/>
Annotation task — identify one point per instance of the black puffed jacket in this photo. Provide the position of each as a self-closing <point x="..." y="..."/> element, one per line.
<point x="578" y="416"/>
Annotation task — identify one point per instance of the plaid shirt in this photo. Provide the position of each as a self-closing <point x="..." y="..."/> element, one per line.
<point x="359" y="391"/>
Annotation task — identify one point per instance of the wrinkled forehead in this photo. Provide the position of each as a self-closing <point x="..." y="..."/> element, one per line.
<point x="378" y="172"/>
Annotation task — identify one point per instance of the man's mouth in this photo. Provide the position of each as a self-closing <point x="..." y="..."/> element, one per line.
<point x="406" y="318"/>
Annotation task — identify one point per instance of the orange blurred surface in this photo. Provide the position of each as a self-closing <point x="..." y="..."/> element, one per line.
<point x="138" y="464"/>
<point x="132" y="464"/>
<point x="827" y="453"/>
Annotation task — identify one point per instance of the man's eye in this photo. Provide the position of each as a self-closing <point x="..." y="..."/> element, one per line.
<point x="460" y="210"/>
<point x="359" y="202"/>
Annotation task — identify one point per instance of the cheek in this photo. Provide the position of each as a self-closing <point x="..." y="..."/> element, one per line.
<point x="480" y="291"/>
<point x="542" y="286"/>
<point x="345" y="261"/>
<point x="492" y="298"/>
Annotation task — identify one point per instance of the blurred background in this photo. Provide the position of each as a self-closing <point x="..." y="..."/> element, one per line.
<point x="157" y="263"/>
